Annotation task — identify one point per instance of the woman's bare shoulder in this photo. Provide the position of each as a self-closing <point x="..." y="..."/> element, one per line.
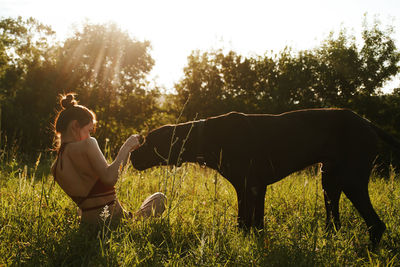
<point x="91" y="141"/>
<point x="90" y="144"/>
<point x="84" y="145"/>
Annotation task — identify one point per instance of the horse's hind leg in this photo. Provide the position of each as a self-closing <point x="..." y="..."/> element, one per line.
<point x="355" y="187"/>
<point x="332" y="192"/>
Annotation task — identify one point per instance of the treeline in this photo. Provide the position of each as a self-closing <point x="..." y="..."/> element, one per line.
<point x="338" y="73"/>
<point x="108" y="70"/>
<point x="104" y="65"/>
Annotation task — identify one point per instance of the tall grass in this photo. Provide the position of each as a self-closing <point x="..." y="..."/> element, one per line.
<point x="39" y="223"/>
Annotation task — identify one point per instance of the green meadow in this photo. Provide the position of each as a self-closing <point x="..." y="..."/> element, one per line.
<point x="39" y="225"/>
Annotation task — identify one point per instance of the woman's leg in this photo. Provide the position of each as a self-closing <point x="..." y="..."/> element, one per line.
<point x="154" y="206"/>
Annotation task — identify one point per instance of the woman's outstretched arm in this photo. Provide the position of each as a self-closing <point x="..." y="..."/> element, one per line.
<point x="108" y="173"/>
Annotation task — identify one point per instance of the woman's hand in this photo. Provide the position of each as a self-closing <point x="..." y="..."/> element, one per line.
<point x="132" y="142"/>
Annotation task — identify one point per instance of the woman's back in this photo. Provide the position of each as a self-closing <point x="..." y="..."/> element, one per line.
<point x="73" y="171"/>
<point x="76" y="176"/>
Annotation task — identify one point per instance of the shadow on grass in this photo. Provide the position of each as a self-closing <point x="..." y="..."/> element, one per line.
<point x="81" y="246"/>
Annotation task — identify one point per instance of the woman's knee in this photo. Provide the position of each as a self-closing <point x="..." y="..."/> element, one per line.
<point x="154" y="205"/>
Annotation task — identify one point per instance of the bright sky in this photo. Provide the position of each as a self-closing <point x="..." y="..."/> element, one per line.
<point x="176" y="27"/>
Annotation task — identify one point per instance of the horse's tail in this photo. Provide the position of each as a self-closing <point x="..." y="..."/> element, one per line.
<point x="387" y="138"/>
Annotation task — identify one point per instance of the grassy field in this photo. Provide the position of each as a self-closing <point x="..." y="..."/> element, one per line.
<point x="39" y="225"/>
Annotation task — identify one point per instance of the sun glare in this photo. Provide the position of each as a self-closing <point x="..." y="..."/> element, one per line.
<point x="177" y="27"/>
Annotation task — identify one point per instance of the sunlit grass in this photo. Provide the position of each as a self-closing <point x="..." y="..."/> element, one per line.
<point x="39" y="224"/>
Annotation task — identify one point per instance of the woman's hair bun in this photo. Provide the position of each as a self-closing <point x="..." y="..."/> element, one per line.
<point x="68" y="101"/>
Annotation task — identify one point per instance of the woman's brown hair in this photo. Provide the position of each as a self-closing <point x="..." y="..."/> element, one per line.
<point x="70" y="110"/>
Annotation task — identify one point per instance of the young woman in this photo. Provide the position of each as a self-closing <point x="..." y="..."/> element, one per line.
<point x="82" y="171"/>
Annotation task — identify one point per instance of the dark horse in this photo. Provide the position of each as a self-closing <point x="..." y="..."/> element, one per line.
<point x="253" y="151"/>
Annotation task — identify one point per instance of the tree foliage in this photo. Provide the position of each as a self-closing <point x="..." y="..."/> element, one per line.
<point x="336" y="74"/>
<point x="25" y="56"/>
<point x="107" y="69"/>
<point x="101" y="63"/>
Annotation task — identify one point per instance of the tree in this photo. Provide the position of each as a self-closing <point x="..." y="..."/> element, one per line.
<point x="107" y="69"/>
<point x="347" y="72"/>
<point x="201" y="87"/>
<point x="23" y="43"/>
<point x="25" y="48"/>
<point x="101" y="63"/>
<point x="336" y="74"/>
<point x="379" y="58"/>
